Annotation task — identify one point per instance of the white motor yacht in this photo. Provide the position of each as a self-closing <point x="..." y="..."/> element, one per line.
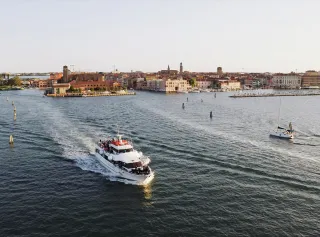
<point x="119" y="156"/>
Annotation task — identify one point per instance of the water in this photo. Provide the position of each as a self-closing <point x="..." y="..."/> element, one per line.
<point x="214" y="177"/>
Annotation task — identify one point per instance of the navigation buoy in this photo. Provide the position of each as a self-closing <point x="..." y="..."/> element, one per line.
<point x="183" y="105"/>
<point x="14" y="108"/>
<point x="187" y="99"/>
<point x="15" y="116"/>
<point x="12" y="102"/>
<point x="210" y="114"/>
<point x="215" y="95"/>
<point x="7" y="99"/>
<point x="11" y="139"/>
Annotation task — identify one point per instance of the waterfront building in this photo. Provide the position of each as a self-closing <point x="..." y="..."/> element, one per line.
<point x="133" y="83"/>
<point x="163" y="85"/>
<point x="94" y="85"/>
<point x="310" y="79"/>
<point x="142" y="85"/>
<point x="41" y="84"/>
<point x="54" y="78"/>
<point x="59" y="88"/>
<point x="154" y="85"/>
<point x="170" y="86"/>
<point x="87" y="76"/>
<point x="286" y="81"/>
<point x="229" y="85"/>
<point x="204" y="83"/>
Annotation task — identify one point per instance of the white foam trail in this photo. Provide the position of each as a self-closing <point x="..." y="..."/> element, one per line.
<point x="76" y="145"/>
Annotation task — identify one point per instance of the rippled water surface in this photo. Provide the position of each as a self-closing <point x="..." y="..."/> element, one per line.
<point x="214" y="177"/>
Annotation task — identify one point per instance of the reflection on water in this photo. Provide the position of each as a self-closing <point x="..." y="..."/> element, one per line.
<point x="147" y="191"/>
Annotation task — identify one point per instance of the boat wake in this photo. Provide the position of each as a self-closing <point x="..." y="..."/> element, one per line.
<point x="88" y="162"/>
<point x="226" y="135"/>
<point x="76" y="145"/>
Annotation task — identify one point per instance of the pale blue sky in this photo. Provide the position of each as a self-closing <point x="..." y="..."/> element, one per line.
<point x="147" y="35"/>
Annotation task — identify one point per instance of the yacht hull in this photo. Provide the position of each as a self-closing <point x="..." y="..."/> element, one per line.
<point x="281" y="135"/>
<point x="116" y="171"/>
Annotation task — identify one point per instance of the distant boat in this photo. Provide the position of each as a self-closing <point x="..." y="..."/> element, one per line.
<point x="281" y="132"/>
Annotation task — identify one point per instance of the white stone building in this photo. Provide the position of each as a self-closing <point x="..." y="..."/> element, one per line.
<point x="286" y="81"/>
<point x="204" y="84"/>
<point x="229" y="85"/>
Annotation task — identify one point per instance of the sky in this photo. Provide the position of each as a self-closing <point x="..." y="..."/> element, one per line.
<point x="149" y="35"/>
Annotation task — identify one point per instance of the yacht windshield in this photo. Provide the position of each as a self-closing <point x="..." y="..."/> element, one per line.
<point x="133" y="165"/>
<point x="125" y="150"/>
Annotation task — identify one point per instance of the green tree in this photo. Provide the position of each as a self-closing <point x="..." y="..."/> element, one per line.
<point x="15" y="81"/>
<point x="71" y="89"/>
<point x="193" y="82"/>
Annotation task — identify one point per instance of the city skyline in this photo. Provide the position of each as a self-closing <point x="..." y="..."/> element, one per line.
<point x="239" y="36"/>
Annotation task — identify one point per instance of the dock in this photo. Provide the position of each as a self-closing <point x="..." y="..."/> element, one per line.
<point x="250" y="95"/>
<point x="90" y="95"/>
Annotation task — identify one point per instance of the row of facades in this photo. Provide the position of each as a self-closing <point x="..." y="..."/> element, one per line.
<point x="154" y="82"/>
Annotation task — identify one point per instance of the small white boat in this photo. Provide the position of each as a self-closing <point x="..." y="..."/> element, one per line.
<point x="283" y="133"/>
<point x="118" y="156"/>
<point x="180" y="91"/>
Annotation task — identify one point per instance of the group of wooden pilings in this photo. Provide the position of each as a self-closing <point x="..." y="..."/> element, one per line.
<point x="201" y="101"/>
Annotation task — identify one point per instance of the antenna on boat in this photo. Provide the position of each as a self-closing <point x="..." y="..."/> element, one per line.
<point x="118" y="133"/>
